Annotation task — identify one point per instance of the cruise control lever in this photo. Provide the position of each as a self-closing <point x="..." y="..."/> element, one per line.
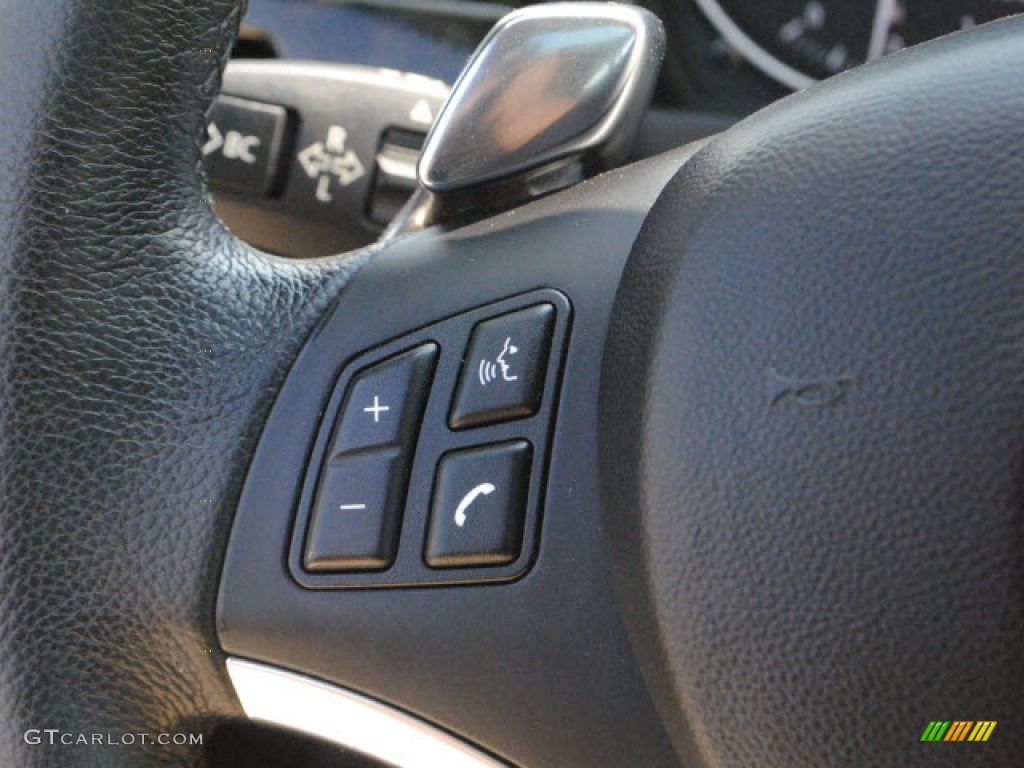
<point x="554" y="94"/>
<point x="313" y="159"/>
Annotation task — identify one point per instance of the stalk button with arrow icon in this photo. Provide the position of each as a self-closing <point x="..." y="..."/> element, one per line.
<point x="242" y="147"/>
<point x="331" y="162"/>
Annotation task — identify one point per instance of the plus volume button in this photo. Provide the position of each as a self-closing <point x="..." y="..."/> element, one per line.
<point x="384" y="404"/>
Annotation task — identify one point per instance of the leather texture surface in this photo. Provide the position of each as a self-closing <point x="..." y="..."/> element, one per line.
<point x="813" y="422"/>
<point x="140" y="348"/>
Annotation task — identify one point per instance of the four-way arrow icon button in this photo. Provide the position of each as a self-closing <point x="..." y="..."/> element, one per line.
<point x="324" y="159"/>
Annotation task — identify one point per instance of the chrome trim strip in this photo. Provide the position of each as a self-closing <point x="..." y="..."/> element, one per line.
<point x="290" y="700"/>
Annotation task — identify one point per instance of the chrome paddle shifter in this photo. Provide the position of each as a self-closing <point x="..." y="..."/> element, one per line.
<point x="553" y="94"/>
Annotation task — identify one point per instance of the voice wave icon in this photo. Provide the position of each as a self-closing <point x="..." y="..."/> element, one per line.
<point x="487" y="372"/>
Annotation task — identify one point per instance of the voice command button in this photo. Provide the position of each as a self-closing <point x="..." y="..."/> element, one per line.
<point x="503" y="374"/>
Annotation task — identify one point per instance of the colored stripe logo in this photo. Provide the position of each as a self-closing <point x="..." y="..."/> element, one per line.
<point x="958" y="730"/>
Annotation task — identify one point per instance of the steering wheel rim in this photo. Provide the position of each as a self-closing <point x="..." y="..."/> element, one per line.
<point x="142" y="348"/>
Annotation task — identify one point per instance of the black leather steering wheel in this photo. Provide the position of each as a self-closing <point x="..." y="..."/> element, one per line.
<point x="142" y="348"/>
<point x="801" y="392"/>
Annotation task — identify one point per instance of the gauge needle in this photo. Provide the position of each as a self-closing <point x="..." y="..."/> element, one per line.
<point x="884" y="16"/>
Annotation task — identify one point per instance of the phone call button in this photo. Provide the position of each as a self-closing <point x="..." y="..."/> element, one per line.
<point x="479" y="505"/>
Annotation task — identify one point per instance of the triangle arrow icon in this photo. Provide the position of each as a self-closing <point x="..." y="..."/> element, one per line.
<point x="422" y="113"/>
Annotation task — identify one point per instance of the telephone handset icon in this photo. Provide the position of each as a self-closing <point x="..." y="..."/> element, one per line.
<point x="484" y="489"/>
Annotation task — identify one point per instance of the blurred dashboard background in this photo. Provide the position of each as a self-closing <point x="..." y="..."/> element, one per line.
<point x="729" y="57"/>
<point x="725" y="59"/>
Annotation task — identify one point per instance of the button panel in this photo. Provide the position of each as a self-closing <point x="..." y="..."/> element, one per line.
<point x="420" y="473"/>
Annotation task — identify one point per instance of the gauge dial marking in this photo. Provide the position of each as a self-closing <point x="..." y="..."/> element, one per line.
<point x="798" y="42"/>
